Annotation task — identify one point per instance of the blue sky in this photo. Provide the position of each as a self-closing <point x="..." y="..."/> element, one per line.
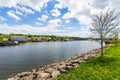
<point x="53" y="17"/>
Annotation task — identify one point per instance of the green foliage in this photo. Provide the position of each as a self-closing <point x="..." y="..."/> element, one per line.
<point x="35" y="38"/>
<point x="99" y="68"/>
<point x="4" y="38"/>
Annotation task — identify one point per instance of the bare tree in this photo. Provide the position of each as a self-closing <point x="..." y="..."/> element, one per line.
<point x="103" y="24"/>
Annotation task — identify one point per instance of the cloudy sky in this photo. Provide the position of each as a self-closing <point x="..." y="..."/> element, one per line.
<point x="53" y="17"/>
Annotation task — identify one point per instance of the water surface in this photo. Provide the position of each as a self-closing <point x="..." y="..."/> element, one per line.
<point x="27" y="56"/>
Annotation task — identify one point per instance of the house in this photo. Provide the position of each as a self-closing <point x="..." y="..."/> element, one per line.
<point x="19" y="38"/>
<point x="42" y="38"/>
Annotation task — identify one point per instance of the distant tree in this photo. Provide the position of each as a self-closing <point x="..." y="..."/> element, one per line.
<point x="103" y="24"/>
<point x="114" y="35"/>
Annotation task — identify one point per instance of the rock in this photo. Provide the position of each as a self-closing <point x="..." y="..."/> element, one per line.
<point x="75" y="65"/>
<point x="85" y="57"/>
<point x="55" y="73"/>
<point x="49" y="70"/>
<point x="35" y="70"/>
<point x="62" y="66"/>
<point x="30" y="77"/>
<point x="63" y="70"/>
<point x="81" y="61"/>
<point x="69" y="67"/>
<point x="14" y="78"/>
<point x="75" y="61"/>
<point x="23" y="74"/>
<point x="43" y="76"/>
<point x="68" y="64"/>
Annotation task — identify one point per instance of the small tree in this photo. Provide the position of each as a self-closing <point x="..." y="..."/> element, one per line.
<point x="103" y="24"/>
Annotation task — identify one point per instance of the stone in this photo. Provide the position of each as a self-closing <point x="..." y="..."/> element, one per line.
<point x="85" y="57"/>
<point x="23" y="74"/>
<point x="81" y="61"/>
<point x="75" y="64"/>
<point x="75" y="61"/>
<point x="30" y="77"/>
<point x="14" y="78"/>
<point x="49" y="70"/>
<point x="43" y="76"/>
<point x="93" y="55"/>
<point x="62" y="66"/>
<point x="68" y="64"/>
<point x="59" y="66"/>
<point x="69" y="67"/>
<point x="55" y="73"/>
<point x="35" y="70"/>
<point x="63" y="70"/>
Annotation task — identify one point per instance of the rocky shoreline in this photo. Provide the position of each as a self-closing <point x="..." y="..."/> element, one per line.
<point x="50" y="71"/>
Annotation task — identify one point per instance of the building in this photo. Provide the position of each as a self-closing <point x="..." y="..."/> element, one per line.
<point x="19" y="38"/>
<point x="42" y="38"/>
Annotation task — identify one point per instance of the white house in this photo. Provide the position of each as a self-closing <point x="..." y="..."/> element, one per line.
<point x="19" y="38"/>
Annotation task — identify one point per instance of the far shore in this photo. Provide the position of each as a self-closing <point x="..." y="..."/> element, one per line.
<point x="14" y="44"/>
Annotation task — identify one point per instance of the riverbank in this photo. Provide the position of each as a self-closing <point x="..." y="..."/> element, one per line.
<point x="53" y="70"/>
<point x="6" y="38"/>
<point x="97" y="68"/>
<point x="8" y="43"/>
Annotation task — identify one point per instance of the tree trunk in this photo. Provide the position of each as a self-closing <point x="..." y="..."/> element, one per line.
<point x="102" y="48"/>
<point x="101" y="45"/>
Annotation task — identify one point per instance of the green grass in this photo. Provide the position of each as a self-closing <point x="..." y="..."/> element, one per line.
<point x="106" y="68"/>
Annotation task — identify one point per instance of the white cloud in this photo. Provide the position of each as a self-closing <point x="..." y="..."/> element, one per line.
<point x="25" y="10"/>
<point x="83" y="10"/>
<point x="83" y="19"/>
<point x="83" y="32"/>
<point x="76" y="9"/>
<point x="2" y="18"/>
<point x="8" y="3"/>
<point x="67" y="21"/>
<point x="27" y="29"/>
<point x="54" y="23"/>
<point x="115" y="5"/>
<point x="19" y="13"/>
<point x="11" y="14"/>
<point x="43" y="18"/>
<point x="69" y="28"/>
<point x="101" y="4"/>
<point x="55" y="12"/>
<point x="58" y="6"/>
<point x="34" y="4"/>
<point x="67" y="15"/>
<point x="39" y="24"/>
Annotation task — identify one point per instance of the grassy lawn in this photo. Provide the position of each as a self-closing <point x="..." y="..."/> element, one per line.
<point x="106" y="68"/>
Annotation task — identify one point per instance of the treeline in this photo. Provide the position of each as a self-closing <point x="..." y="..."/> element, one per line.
<point x="39" y="38"/>
<point x="113" y="40"/>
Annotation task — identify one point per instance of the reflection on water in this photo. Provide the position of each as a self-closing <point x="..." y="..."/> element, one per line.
<point x="15" y="59"/>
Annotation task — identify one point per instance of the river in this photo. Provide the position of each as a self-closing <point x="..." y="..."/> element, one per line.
<point x="27" y="56"/>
